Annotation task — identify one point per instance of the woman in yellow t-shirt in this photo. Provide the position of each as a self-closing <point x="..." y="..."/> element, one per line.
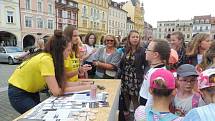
<point x="46" y="69"/>
<point x="72" y="63"/>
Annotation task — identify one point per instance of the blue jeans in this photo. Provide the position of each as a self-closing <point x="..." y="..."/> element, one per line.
<point x="22" y="100"/>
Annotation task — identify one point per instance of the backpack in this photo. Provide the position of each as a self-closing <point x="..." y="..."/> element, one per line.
<point x="150" y="115"/>
<point x="195" y="102"/>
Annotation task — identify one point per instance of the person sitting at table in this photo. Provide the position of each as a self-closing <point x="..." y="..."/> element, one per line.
<point x="46" y="69"/>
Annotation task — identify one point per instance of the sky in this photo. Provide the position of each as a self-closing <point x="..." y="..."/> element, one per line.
<point x="167" y="10"/>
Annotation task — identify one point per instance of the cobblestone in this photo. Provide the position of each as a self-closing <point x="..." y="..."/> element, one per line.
<point x="7" y="113"/>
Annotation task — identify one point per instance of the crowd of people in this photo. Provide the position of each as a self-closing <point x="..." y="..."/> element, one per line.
<point x="165" y="80"/>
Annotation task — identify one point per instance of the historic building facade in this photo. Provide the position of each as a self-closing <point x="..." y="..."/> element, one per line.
<point x="10" y="34"/>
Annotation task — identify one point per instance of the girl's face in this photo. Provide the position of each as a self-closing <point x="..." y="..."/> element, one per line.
<point x="91" y="39"/>
<point x="175" y="43"/>
<point x="109" y="41"/>
<point x="150" y="53"/>
<point x="67" y="50"/>
<point x="187" y="83"/>
<point x="205" y="44"/>
<point x="134" y="39"/>
<point x="75" y="37"/>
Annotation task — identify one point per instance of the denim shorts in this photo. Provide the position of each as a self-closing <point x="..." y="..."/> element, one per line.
<point x="22" y="100"/>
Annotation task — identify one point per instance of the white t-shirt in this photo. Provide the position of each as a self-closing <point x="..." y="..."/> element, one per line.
<point x="89" y="50"/>
<point x="199" y="58"/>
<point x="144" y="90"/>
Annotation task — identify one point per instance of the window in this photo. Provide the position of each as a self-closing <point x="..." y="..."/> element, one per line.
<point x="103" y="15"/>
<point x="98" y="25"/>
<point x="27" y="4"/>
<point x="173" y="30"/>
<point x="179" y="29"/>
<point x="159" y="29"/>
<point x="159" y="36"/>
<point x="39" y="23"/>
<point x="69" y="15"/>
<point x="60" y="26"/>
<point x="60" y="13"/>
<point x="188" y="36"/>
<point x="183" y="29"/>
<point x="109" y="22"/>
<point x="200" y="28"/>
<point x="84" y="11"/>
<point x="28" y="21"/>
<point x="50" y="24"/>
<point x="39" y="6"/>
<point x="65" y="14"/>
<point x="103" y="26"/>
<point x="98" y="14"/>
<point x="207" y="21"/>
<point x="197" y="21"/>
<point x="195" y="28"/>
<point x="49" y="9"/>
<point x="74" y="16"/>
<point x="202" y="21"/>
<point x="206" y="28"/>
<point x="91" y="11"/>
<point x="94" y="13"/>
<point x="10" y="17"/>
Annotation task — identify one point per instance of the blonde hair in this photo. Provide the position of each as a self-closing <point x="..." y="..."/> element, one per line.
<point x="40" y="43"/>
<point x="193" y="48"/>
<point x="113" y="37"/>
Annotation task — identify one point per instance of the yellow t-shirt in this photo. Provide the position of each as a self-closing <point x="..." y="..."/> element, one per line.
<point x="72" y="64"/>
<point x="29" y="76"/>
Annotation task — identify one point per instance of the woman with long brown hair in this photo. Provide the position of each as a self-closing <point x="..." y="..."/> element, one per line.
<point x="132" y="67"/>
<point x="90" y="41"/>
<point x="33" y="75"/>
<point x="199" y="44"/>
<point x="73" y="64"/>
<point x="177" y="43"/>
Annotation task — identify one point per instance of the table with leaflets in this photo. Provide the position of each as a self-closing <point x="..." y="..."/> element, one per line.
<point x="73" y="108"/>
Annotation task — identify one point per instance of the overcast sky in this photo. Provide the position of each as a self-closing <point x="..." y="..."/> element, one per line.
<point x="163" y="10"/>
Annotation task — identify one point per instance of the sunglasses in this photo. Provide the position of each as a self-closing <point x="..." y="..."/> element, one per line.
<point x="109" y="40"/>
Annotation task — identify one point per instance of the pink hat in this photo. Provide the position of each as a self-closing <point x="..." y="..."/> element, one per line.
<point x="204" y="79"/>
<point x="165" y="75"/>
<point x="173" y="58"/>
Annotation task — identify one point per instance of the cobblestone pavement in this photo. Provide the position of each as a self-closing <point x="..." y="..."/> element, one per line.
<point x="5" y="72"/>
<point x="7" y="113"/>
